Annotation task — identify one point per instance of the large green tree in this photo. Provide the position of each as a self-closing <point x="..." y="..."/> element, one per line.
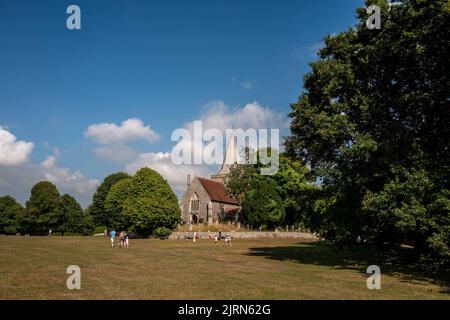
<point x="263" y="206"/>
<point x="73" y="218"/>
<point x="97" y="209"/>
<point x="290" y="181"/>
<point x="143" y="203"/>
<point x="373" y="123"/>
<point x="10" y="213"/>
<point x="43" y="209"/>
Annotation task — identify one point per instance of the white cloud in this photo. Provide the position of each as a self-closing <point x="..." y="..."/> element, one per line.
<point x="116" y="153"/>
<point x="71" y="182"/>
<point x="220" y="116"/>
<point x="55" y="151"/>
<point x="12" y="151"/>
<point x="18" y="175"/>
<point x="131" y="129"/>
<point x="17" y="181"/>
<point x="246" y="85"/>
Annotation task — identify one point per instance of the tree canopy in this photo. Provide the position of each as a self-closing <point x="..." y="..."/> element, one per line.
<point x="43" y="209"/>
<point x="263" y="206"/>
<point x="373" y="124"/>
<point x="10" y="212"/>
<point x="97" y="208"/>
<point x="73" y="217"/>
<point x="291" y="189"/>
<point x="143" y="203"/>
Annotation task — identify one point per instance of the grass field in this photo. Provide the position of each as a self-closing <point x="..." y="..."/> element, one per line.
<point x="35" y="268"/>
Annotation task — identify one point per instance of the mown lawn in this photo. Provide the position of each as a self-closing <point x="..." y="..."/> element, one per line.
<point x="35" y="268"/>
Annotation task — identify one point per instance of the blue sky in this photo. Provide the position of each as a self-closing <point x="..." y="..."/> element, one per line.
<point x="164" y="63"/>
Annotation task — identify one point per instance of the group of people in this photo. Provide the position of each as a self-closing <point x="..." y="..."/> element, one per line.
<point x="227" y="239"/>
<point x="217" y="238"/>
<point x="124" y="241"/>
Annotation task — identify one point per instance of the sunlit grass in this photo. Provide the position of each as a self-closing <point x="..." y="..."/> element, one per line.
<point x="35" y="268"/>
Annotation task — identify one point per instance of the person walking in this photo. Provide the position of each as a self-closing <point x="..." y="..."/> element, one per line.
<point x="113" y="236"/>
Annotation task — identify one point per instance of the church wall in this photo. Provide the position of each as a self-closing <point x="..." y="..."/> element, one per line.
<point x="226" y="207"/>
<point x="195" y="187"/>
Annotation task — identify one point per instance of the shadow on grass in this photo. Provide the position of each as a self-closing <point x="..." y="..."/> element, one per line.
<point x="399" y="262"/>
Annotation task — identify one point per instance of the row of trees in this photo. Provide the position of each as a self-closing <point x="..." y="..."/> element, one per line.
<point x="141" y="203"/>
<point x="46" y="209"/>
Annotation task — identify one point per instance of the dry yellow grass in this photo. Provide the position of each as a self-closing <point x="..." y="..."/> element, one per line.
<point x="35" y="268"/>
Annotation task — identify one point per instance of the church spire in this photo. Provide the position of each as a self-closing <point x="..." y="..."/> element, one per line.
<point x="232" y="155"/>
<point x="231" y="158"/>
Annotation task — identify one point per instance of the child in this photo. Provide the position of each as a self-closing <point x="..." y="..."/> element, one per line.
<point x="126" y="241"/>
<point x="228" y="240"/>
<point x="122" y="240"/>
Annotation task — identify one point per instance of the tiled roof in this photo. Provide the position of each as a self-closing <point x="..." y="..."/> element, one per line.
<point x="217" y="191"/>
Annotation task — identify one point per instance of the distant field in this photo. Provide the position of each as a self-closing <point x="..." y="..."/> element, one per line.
<point x="35" y="268"/>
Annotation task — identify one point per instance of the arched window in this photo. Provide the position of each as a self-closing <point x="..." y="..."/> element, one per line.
<point x="195" y="204"/>
<point x="194" y="209"/>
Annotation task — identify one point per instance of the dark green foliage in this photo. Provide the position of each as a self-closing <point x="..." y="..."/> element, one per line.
<point x="74" y="219"/>
<point x="43" y="209"/>
<point x="97" y="208"/>
<point x="10" y="213"/>
<point x="296" y="191"/>
<point x="263" y="206"/>
<point x="291" y="184"/>
<point x="143" y="203"/>
<point x="373" y="122"/>
<point x="46" y="209"/>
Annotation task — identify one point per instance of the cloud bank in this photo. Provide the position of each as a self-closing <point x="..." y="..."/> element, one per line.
<point x="18" y="174"/>
<point x="131" y="129"/>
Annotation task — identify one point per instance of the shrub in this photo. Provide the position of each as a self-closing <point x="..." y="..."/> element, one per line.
<point x="99" y="230"/>
<point x="162" y="232"/>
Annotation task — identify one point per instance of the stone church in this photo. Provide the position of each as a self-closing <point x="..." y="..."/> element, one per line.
<point x="207" y="200"/>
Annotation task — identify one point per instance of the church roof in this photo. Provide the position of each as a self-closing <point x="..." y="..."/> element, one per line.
<point x="216" y="191"/>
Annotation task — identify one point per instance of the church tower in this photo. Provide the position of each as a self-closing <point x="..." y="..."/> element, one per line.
<point x="208" y="200"/>
<point x="231" y="158"/>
